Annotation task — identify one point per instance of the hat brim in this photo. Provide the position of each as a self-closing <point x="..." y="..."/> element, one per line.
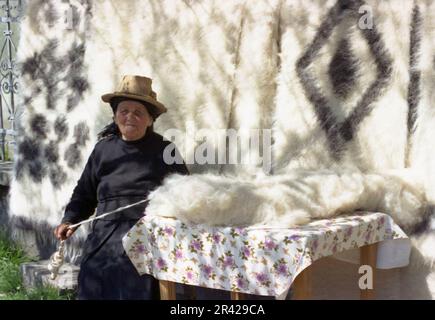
<point x="160" y="108"/>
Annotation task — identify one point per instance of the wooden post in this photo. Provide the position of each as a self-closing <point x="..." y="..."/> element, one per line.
<point x="302" y="286"/>
<point x="167" y="290"/>
<point x="237" y="296"/>
<point x="368" y="257"/>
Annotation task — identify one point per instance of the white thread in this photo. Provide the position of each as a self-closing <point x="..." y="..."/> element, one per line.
<point x="106" y="214"/>
<point x="57" y="259"/>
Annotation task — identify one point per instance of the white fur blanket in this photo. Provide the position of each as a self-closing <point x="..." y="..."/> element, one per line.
<point x="287" y="200"/>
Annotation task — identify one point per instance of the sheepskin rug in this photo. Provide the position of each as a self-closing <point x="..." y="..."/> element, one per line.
<point x="286" y="200"/>
<point x="344" y="89"/>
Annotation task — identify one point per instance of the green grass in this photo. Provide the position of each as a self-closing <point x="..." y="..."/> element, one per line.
<point x="11" y="285"/>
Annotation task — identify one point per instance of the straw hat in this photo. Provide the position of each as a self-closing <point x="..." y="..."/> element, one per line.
<point x="136" y="88"/>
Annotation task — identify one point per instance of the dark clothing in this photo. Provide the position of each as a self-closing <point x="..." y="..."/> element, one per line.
<point x="107" y="272"/>
<point x="116" y="174"/>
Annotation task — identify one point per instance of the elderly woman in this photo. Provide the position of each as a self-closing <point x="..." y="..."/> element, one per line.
<point x="124" y="166"/>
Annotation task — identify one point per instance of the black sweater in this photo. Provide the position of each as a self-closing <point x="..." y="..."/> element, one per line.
<point x="119" y="173"/>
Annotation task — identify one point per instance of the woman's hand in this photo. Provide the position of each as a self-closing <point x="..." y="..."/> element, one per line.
<point x="63" y="232"/>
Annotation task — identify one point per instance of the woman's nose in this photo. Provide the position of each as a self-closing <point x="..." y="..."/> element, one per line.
<point x="129" y="115"/>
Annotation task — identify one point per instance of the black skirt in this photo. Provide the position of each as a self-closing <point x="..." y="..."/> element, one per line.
<point x="106" y="271"/>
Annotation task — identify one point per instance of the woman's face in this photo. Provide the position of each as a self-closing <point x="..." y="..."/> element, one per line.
<point x="132" y="119"/>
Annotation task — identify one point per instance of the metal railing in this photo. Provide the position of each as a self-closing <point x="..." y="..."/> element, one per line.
<point x="10" y="14"/>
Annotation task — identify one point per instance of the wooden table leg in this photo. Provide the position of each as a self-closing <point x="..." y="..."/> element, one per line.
<point x="302" y="286"/>
<point x="167" y="290"/>
<point x="237" y="296"/>
<point x="368" y="257"/>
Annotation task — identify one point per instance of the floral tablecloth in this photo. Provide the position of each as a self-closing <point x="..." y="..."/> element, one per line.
<point x="262" y="261"/>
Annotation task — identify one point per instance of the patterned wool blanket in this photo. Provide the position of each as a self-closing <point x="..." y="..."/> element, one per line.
<point x="344" y="89"/>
